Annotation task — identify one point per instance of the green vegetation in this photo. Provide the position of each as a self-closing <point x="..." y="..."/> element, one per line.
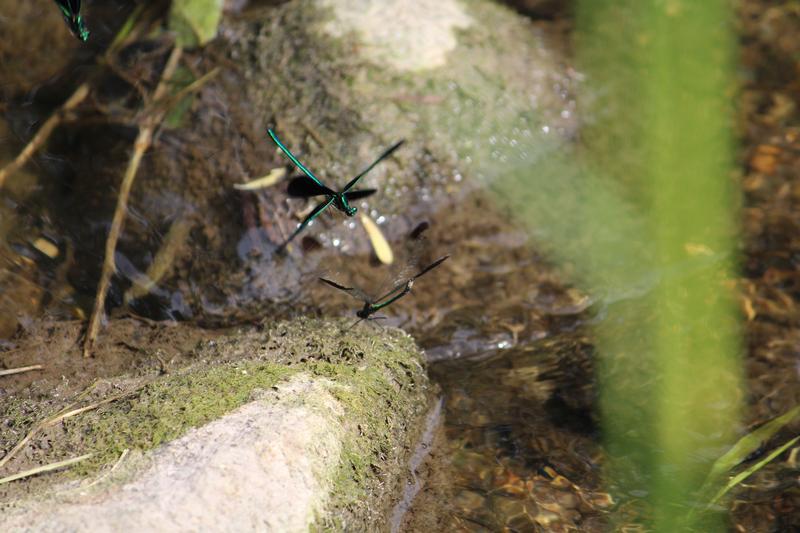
<point x="195" y="21"/>
<point x="167" y="408"/>
<point x="746" y="446"/>
<point x="645" y="215"/>
<point x="678" y="356"/>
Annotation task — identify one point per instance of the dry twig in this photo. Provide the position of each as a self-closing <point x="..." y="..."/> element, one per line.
<point x="45" y="468"/>
<point x="124" y="36"/>
<point x="317" y="138"/>
<point x="192" y="87"/>
<point x="122" y="457"/>
<point x="20" y="370"/>
<point x="44" y="132"/>
<point x="142" y="143"/>
<point x="67" y="412"/>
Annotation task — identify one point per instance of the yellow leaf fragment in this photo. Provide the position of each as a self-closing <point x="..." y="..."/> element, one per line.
<point x="46" y="247"/>
<point x="274" y="176"/>
<point x="382" y="249"/>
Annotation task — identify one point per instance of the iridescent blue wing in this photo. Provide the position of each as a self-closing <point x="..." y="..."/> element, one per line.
<point x="303" y="187"/>
<point x="352" y="291"/>
<point x="294" y="159"/>
<point x="381" y="157"/>
<point x="359" y="194"/>
<point x="66" y="7"/>
<point x="430" y="267"/>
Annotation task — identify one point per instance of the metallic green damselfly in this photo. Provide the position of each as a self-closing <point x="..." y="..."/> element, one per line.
<point x="310" y="185"/>
<point x="372" y="306"/>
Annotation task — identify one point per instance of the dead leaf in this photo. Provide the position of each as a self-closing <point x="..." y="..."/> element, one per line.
<point x="274" y="176"/>
<point x="382" y="249"/>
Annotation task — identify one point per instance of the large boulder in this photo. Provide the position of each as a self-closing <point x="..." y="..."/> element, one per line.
<point x="278" y="430"/>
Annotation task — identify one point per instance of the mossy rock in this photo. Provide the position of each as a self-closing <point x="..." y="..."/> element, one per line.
<point x="330" y="415"/>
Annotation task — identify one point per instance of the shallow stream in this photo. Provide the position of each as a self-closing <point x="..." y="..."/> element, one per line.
<point x="508" y="338"/>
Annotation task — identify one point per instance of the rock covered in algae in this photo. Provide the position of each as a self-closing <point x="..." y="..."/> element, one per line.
<point x="289" y="428"/>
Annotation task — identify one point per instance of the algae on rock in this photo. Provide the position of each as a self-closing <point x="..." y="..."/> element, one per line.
<point x="377" y="383"/>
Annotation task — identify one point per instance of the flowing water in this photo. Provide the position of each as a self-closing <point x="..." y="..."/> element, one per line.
<point x="508" y="338"/>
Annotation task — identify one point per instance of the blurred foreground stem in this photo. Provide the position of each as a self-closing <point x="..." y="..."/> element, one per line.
<point x="642" y="210"/>
<point x="670" y="369"/>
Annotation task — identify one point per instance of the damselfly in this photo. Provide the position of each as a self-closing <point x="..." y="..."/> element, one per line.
<point x="372" y="306"/>
<point x="71" y="10"/>
<point x="310" y="185"/>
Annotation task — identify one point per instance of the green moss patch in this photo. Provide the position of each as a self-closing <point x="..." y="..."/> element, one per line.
<point x="164" y="410"/>
<point x="379" y="381"/>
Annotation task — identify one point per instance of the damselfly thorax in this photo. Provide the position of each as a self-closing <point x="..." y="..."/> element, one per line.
<point x="340" y="203"/>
